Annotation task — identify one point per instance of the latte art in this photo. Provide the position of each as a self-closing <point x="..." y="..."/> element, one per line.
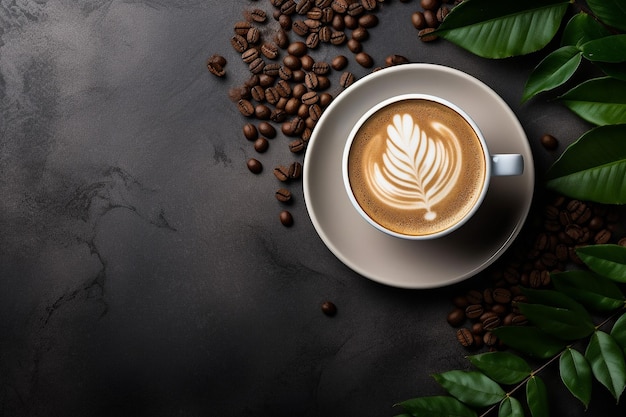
<point x="418" y="171"/>
<point x="416" y="167"/>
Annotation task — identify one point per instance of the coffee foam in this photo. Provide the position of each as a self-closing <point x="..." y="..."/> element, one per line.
<point x="416" y="167"/>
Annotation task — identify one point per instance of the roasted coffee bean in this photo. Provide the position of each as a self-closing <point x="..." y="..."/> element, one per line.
<point x="312" y="40"/>
<point x="295" y="170"/>
<point x="502" y="295"/>
<point x="325" y="99"/>
<point x="427" y="36"/>
<point x="477" y="328"/>
<point x="288" y="7"/>
<point x="360" y="34"/>
<point x="354" y="46"/>
<point x="281" y="173"/>
<point x="257" y="66"/>
<point x="292" y="62"/>
<point x="271" y="69"/>
<point x="339" y="62"/>
<point x="442" y="12"/>
<point x="266" y="81"/>
<point x="456" y="317"/>
<point x="310" y="98"/>
<point x="431" y="19"/>
<point x="584" y="216"/>
<point x="297" y="126"/>
<point x="239" y="43"/>
<point x="396" y="60"/>
<point x="277" y="3"/>
<point x="297" y="145"/>
<point x="252" y="81"/>
<point x="337" y="38"/>
<point x="292" y="106"/>
<point x="490" y="339"/>
<point x="307" y="132"/>
<point x="262" y="112"/>
<point x="474" y="297"/>
<point x="369" y="4"/>
<point x="314" y="13"/>
<point x="350" y="21"/>
<point x="473" y="311"/>
<point x="255" y="166"/>
<point x="241" y="28"/>
<point x="313" y="25"/>
<point x="321" y="68"/>
<point x="307" y="62"/>
<point x="418" y="20"/>
<point x="286" y="218"/>
<point x="258" y="93"/>
<point x="340" y="6"/>
<point x="281" y="39"/>
<point x="278" y="115"/>
<point x="282" y="103"/>
<point x="460" y="301"/>
<point x="430" y="4"/>
<point x="245" y="107"/>
<point x="596" y="223"/>
<point x="491" y="322"/>
<point x="519" y="320"/>
<point x="258" y="15"/>
<point x="364" y="59"/>
<point x="253" y="36"/>
<point x="311" y="80"/>
<point x="250" y="131"/>
<point x="329" y="308"/>
<point x="622" y="241"/>
<point x="324" y="34"/>
<point x="261" y="145"/>
<point x="285" y="22"/>
<point x="304" y="6"/>
<point x="346" y="79"/>
<point x="283" y="88"/>
<point x="355" y="9"/>
<point x="337" y="23"/>
<point x="549" y="142"/>
<point x="299" y="27"/>
<point x="315" y="112"/>
<point x="215" y="68"/>
<point x="574" y="231"/>
<point x="297" y="48"/>
<point x="267" y="130"/>
<point x="269" y="50"/>
<point x="465" y="337"/>
<point x="283" y="195"/>
<point x="499" y="309"/>
<point x="285" y="73"/>
<point x="250" y="55"/>
<point x="602" y="237"/>
<point x="368" y="21"/>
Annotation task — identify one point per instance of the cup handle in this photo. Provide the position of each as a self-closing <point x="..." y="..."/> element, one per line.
<point x="507" y="165"/>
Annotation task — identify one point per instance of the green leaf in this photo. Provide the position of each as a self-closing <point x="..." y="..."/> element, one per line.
<point x="611" y="12"/>
<point x="502" y="367"/>
<point x="576" y="375"/>
<point x="552" y="71"/>
<point x="607" y="362"/>
<point x="437" y="406"/>
<point x="613" y="70"/>
<point x="607" y="49"/>
<point x="581" y="29"/>
<point x="592" y="290"/>
<point x="557" y="314"/>
<point x="471" y="387"/>
<point x="500" y="29"/>
<point x="619" y="332"/>
<point x="530" y="340"/>
<point x="594" y="167"/>
<point x="601" y="101"/>
<point x="510" y="407"/>
<point x="537" y="397"/>
<point x="606" y="260"/>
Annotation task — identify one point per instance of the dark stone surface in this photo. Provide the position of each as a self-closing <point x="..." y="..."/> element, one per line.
<point x="143" y="268"/>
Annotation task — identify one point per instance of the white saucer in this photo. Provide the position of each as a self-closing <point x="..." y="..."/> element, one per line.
<point x="416" y="264"/>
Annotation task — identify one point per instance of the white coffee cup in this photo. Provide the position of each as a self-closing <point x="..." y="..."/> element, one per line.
<point x="417" y="166"/>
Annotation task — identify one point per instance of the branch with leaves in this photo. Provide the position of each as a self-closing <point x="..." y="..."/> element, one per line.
<point x="593" y="168"/>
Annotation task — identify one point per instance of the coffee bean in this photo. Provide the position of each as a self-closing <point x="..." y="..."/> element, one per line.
<point x="281" y="173"/>
<point x="297" y="145"/>
<point x="418" y="20"/>
<point x="304" y="6"/>
<point x="297" y="125"/>
<point x="261" y="145"/>
<point x="311" y="80"/>
<point x="354" y="46"/>
<point x="442" y="12"/>
<point x="262" y="112"/>
<point x="337" y="23"/>
<point x="266" y="81"/>
<point x="281" y="39"/>
<point x="325" y="99"/>
<point x="258" y="15"/>
<point x="465" y="337"/>
<point x="278" y="115"/>
<point x="312" y="40"/>
<point x="245" y="107"/>
<point x="490" y="339"/>
<point x="239" y="43"/>
<point x="622" y="241"/>
<point x="288" y="7"/>
<point x="369" y="4"/>
<point x="285" y="21"/>
<point x="283" y="195"/>
<point x="271" y="69"/>
<point x="255" y="166"/>
<point x="286" y="218"/>
<point x="502" y="295"/>
<point x="250" y="55"/>
<point x="267" y="130"/>
<point x="277" y="3"/>
<point x="307" y="62"/>
<point x="256" y="66"/>
<point x="460" y="301"/>
<point x="430" y="4"/>
<point x="253" y="36"/>
<point x="602" y="237"/>
<point x="271" y="95"/>
<point x="329" y="308"/>
<point x="269" y="50"/>
<point x="396" y="60"/>
<point x="295" y="170"/>
<point x="519" y="320"/>
<point x="299" y="27"/>
<point x="456" y="317"/>
<point x="474" y="297"/>
<point x="473" y="311"/>
<point x="346" y="79"/>
<point x="315" y="112"/>
<point x="337" y="38"/>
<point x="549" y="142"/>
<point x="427" y="36"/>
<point x="250" y="132"/>
<point x="431" y="19"/>
<point x="368" y="21"/>
<point x="364" y="59"/>
<point x="241" y="28"/>
<point x="339" y="62"/>
<point x="297" y="49"/>
<point x="491" y="322"/>
<point x="340" y="6"/>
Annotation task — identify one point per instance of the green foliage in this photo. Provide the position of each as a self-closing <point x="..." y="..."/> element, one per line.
<point x="592" y="168"/>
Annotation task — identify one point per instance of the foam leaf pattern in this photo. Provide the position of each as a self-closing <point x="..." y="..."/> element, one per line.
<point x="417" y="170"/>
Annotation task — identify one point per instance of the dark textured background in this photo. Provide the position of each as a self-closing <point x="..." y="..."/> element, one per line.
<point x="143" y="270"/>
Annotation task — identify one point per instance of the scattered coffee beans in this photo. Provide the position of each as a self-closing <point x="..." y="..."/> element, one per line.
<point x="329" y="308"/>
<point x="285" y="218"/>
<point x="255" y="166"/>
